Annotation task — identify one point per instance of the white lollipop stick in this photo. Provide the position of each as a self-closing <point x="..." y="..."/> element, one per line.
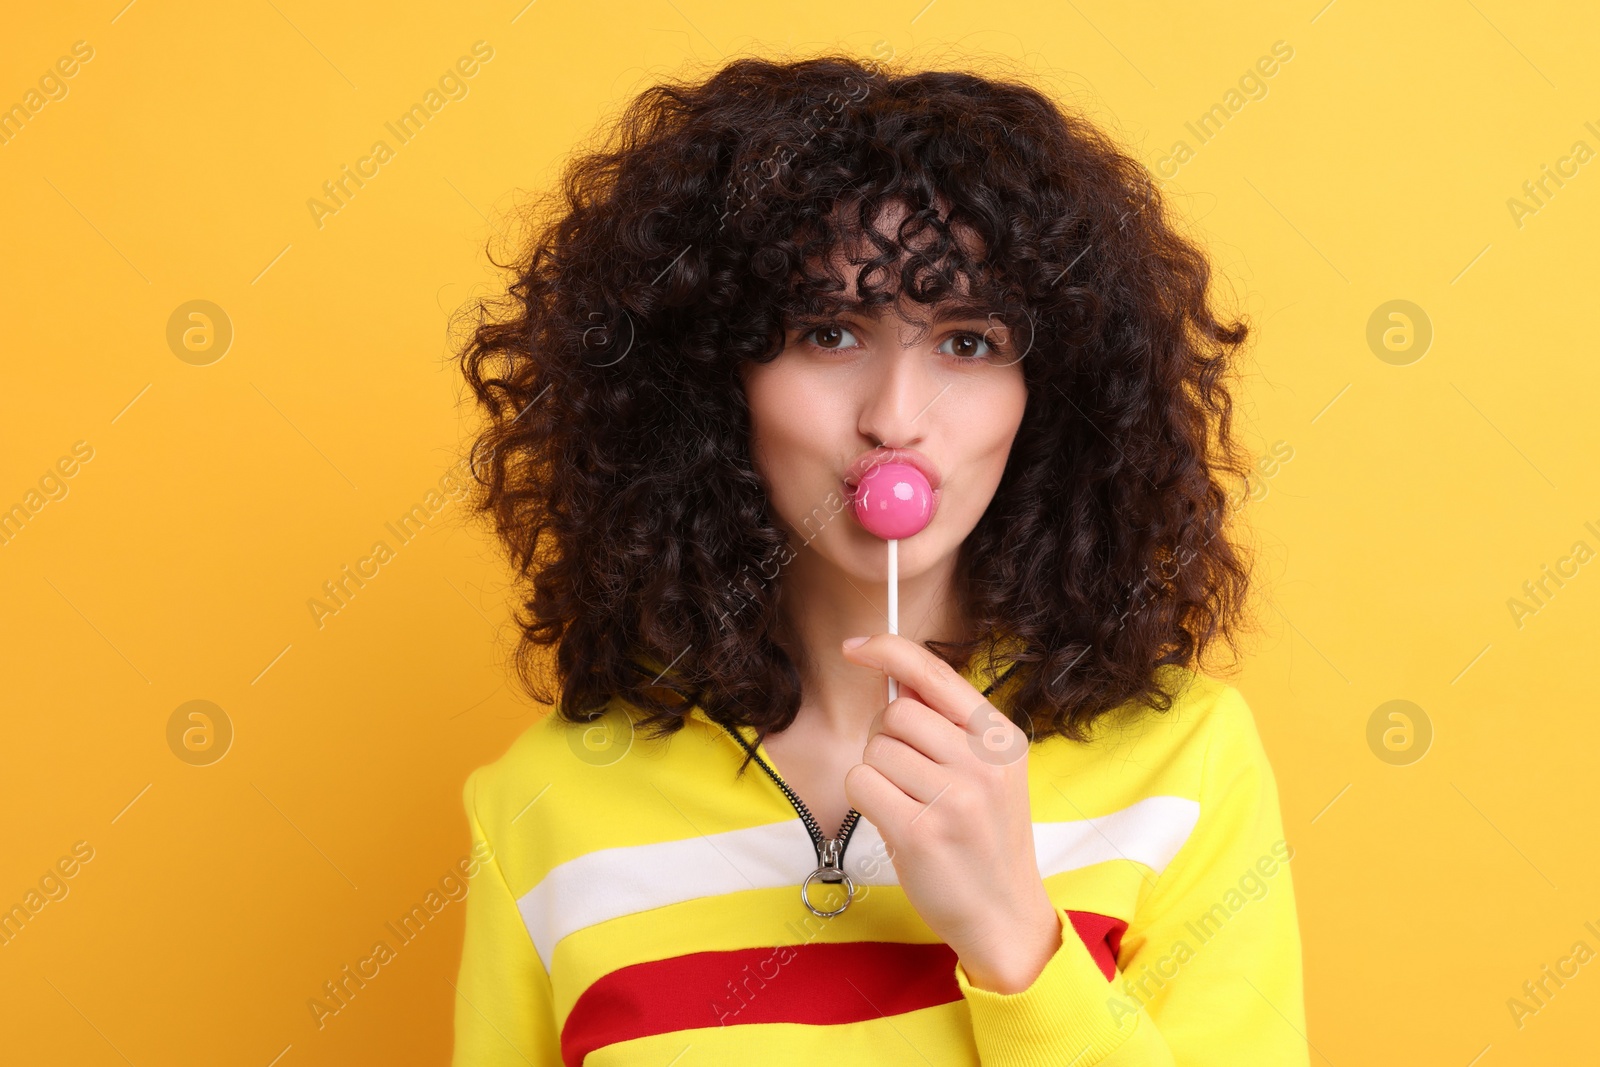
<point x="894" y="603"/>
<point x="894" y="500"/>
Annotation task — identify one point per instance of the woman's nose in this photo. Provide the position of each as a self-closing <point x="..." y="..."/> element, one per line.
<point x="898" y="393"/>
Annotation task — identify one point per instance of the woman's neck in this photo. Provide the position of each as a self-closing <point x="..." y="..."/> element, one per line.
<point x="823" y="605"/>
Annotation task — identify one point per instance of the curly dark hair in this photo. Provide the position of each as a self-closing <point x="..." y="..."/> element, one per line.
<point x="615" y="457"/>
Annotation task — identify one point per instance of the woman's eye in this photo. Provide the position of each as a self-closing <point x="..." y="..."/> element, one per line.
<point x="829" y="336"/>
<point x="971" y="346"/>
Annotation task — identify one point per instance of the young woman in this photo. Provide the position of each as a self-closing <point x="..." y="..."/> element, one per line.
<point x="1061" y="842"/>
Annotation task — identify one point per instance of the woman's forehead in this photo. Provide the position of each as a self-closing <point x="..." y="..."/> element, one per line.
<point x="890" y="214"/>
<point x="958" y="301"/>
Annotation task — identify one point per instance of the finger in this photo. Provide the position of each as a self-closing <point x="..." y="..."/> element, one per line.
<point x="879" y="800"/>
<point x="913" y="773"/>
<point x="922" y="728"/>
<point x="938" y="685"/>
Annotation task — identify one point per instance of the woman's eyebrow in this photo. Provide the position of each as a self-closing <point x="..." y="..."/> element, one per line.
<point x="964" y="308"/>
<point x="947" y="310"/>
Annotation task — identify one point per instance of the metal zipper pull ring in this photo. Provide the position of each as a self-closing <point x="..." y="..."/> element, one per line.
<point x="830" y="865"/>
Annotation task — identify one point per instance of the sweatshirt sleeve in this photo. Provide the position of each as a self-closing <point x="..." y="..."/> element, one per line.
<point x="503" y="1014"/>
<point x="1210" y="969"/>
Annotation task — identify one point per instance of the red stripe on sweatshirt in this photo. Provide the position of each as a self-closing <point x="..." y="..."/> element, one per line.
<point x="784" y="984"/>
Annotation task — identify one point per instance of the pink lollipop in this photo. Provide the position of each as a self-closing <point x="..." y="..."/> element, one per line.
<point x="894" y="500"/>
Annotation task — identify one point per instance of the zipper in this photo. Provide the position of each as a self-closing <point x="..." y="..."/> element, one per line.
<point x="830" y="850"/>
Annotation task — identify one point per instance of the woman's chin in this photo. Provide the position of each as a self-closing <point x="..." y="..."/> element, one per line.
<point x="915" y="557"/>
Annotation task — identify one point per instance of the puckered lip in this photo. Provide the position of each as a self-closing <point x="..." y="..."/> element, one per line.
<point x="877" y="457"/>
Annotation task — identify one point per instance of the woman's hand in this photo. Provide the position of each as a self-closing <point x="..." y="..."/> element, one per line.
<point x="944" y="778"/>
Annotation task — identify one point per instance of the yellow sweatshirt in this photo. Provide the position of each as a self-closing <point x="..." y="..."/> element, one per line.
<point x="640" y="904"/>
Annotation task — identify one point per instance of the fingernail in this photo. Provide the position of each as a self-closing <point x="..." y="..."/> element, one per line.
<point x="853" y="642"/>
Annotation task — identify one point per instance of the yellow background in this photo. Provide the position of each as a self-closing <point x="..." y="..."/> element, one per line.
<point x="178" y="566"/>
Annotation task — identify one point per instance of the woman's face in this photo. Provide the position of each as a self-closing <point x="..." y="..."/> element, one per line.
<point x="954" y="393"/>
